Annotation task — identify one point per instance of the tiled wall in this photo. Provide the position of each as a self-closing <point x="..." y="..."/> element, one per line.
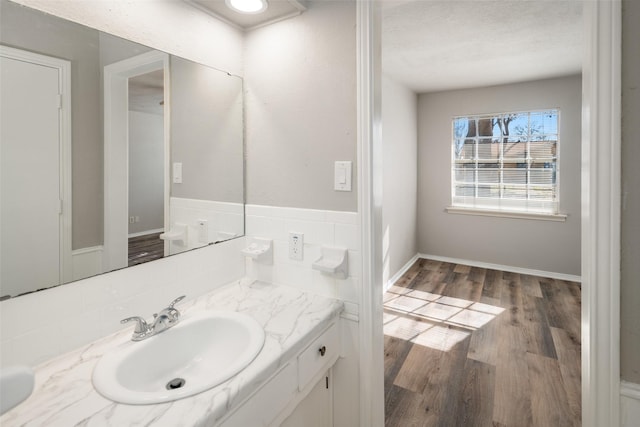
<point x="42" y="325"/>
<point x="224" y="220"/>
<point x="331" y="228"/>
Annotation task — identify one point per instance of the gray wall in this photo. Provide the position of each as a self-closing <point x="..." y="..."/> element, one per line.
<point x="400" y="175"/>
<point x="533" y="244"/>
<point x="114" y="49"/>
<point x="630" y="241"/>
<point x="206" y="132"/>
<point x="146" y="171"/>
<point x="300" y="77"/>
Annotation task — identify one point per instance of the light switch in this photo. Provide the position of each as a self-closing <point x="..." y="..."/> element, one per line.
<point x="342" y="176"/>
<point x="177" y="173"/>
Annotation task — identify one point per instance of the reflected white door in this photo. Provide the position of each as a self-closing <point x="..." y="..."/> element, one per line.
<point x="30" y="176"/>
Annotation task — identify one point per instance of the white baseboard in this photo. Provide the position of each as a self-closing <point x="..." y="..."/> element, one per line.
<point x="519" y="270"/>
<point x="629" y="404"/>
<point x="400" y="273"/>
<point x="87" y="262"/>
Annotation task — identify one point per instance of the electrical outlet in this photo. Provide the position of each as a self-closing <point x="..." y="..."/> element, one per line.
<point x="296" y="245"/>
<point x="132" y="219"/>
<point x="137" y="218"/>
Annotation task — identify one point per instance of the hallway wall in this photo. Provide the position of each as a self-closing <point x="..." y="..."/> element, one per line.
<point x="400" y="171"/>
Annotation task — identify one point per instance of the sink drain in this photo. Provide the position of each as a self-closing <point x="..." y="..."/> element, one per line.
<point x="175" y="383"/>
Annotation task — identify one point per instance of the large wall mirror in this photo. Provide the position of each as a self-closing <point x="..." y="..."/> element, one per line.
<point x="112" y="153"/>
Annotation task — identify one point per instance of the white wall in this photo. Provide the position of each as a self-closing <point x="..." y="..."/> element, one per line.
<point x="300" y="94"/>
<point x="532" y="244"/>
<point x="146" y="171"/>
<point x="400" y="175"/>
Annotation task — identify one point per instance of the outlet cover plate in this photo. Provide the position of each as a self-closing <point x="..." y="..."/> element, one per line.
<point x="296" y="245"/>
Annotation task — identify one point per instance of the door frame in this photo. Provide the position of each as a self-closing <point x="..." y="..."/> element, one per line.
<point x="65" y="155"/>
<point x="116" y="151"/>
<point x="600" y="234"/>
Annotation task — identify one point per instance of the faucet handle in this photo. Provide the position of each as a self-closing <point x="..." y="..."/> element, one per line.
<point x="141" y="325"/>
<point x="177" y="300"/>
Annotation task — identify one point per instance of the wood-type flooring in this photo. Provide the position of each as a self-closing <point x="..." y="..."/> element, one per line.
<point x="145" y="248"/>
<point x="467" y="346"/>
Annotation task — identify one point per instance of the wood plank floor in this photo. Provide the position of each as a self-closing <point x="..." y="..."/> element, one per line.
<point x="145" y="248"/>
<point x="467" y="346"/>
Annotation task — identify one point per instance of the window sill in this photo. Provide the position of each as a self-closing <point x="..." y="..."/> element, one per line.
<point x="506" y="214"/>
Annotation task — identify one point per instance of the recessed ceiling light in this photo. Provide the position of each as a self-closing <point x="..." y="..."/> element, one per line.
<point x="247" y="6"/>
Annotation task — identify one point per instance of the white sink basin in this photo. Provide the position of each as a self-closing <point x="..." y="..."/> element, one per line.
<point x="16" y="384"/>
<point x="202" y="351"/>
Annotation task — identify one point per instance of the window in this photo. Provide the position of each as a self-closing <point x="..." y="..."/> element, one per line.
<point x="506" y="162"/>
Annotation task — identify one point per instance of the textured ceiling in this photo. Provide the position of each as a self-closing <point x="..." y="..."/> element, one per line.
<point x="277" y="10"/>
<point x="433" y="45"/>
<point x="146" y="92"/>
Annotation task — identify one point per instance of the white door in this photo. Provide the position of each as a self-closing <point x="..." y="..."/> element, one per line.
<point x="30" y="176"/>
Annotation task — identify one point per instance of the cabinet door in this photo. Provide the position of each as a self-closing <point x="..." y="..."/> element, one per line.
<point x="263" y="408"/>
<point x="316" y="409"/>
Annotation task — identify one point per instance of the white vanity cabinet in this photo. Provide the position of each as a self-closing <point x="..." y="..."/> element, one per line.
<point x="316" y="410"/>
<point x="300" y="390"/>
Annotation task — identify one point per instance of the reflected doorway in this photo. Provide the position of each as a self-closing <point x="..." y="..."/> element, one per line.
<point x="136" y="155"/>
<point x="146" y="167"/>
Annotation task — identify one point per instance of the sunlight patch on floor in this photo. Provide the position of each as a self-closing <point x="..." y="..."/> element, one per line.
<point x="431" y="320"/>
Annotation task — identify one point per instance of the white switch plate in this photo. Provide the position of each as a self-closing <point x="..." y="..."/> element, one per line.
<point x="296" y="245"/>
<point x="177" y="173"/>
<point x="342" y="176"/>
<point x="203" y="231"/>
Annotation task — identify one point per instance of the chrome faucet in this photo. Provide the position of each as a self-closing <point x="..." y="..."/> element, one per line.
<point x="162" y="321"/>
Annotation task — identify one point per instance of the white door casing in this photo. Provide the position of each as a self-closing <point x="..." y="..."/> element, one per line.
<point x="116" y="151"/>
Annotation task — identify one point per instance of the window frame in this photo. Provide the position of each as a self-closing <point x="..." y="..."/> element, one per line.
<point x="528" y="207"/>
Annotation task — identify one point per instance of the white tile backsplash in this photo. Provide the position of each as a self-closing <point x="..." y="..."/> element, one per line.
<point x="329" y="228"/>
<point x="223" y="219"/>
<point x="48" y="323"/>
<point x="347" y="235"/>
<point x="42" y="325"/>
<point x="315" y="232"/>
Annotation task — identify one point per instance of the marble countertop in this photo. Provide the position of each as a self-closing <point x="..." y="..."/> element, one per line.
<point x="64" y="394"/>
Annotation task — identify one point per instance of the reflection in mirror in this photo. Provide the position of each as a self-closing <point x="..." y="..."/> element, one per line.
<point x="109" y="158"/>
<point x="146" y="167"/>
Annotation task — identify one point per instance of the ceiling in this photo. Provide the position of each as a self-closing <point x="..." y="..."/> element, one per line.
<point x="146" y="93"/>
<point x="435" y="45"/>
<point x="277" y="10"/>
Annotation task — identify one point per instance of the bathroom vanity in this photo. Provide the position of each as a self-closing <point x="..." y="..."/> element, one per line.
<point x="289" y="376"/>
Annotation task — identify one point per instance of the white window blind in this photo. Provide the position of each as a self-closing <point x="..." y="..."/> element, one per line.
<point x="506" y="161"/>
